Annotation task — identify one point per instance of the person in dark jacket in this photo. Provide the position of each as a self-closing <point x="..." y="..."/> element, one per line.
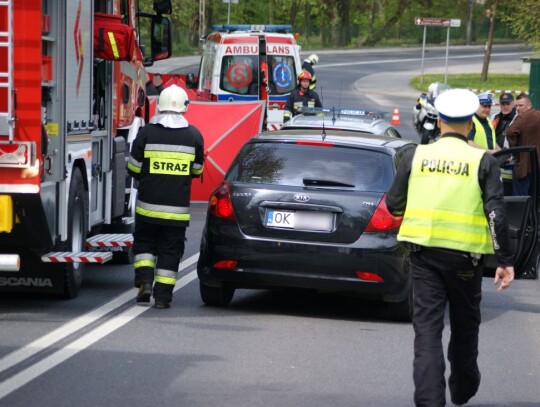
<point x="502" y="120"/>
<point x="307" y="65"/>
<point x="524" y="131"/>
<point x="301" y="96"/>
<point x="451" y="198"/>
<point x="154" y="86"/>
<point x="166" y="154"/>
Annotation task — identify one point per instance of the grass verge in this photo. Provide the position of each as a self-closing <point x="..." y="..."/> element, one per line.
<point x="510" y="82"/>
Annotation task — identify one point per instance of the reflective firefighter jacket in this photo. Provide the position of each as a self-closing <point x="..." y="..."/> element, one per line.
<point x="299" y="98"/>
<point x="444" y="205"/>
<point x="164" y="160"/>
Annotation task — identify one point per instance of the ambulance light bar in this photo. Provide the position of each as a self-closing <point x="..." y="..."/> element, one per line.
<point x="277" y="28"/>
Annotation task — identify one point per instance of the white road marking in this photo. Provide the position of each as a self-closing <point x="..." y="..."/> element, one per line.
<point x="71" y="349"/>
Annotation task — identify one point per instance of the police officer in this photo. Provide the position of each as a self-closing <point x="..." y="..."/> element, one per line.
<point x="301" y="96"/>
<point x="451" y="198"/>
<point x="307" y="65"/>
<point x="165" y="155"/>
<point x="482" y="134"/>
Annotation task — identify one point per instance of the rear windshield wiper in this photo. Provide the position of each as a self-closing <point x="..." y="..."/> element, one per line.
<point x="325" y="183"/>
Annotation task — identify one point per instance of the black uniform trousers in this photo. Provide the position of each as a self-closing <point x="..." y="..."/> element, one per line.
<point x="166" y="243"/>
<point x="441" y="276"/>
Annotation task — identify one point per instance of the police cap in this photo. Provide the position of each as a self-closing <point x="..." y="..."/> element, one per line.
<point x="456" y="105"/>
<point x="485" y="99"/>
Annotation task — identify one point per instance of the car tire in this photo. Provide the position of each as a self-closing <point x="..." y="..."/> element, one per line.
<point x="77" y="216"/>
<point x="401" y="311"/>
<point x="425" y="136"/>
<point x="216" y="296"/>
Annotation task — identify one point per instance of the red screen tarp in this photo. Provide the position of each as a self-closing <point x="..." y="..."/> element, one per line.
<point x="225" y="128"/>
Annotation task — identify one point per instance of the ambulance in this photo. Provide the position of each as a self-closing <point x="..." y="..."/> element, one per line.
<point x="249" y="62"/>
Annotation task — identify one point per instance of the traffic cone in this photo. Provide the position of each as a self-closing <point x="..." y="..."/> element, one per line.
<point x="395" y="116"/>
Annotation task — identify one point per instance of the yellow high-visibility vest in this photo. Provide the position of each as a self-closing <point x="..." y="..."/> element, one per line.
<point x="444" y="202"/>
<point x="480" y="136"/>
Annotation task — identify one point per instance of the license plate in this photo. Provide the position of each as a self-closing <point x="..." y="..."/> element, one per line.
<point x="300" y="220"/>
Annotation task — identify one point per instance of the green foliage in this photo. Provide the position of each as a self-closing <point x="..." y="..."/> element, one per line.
<point x="472" y="81"/>
<point x="353" y="23"/>
<point x="524" y="19"/>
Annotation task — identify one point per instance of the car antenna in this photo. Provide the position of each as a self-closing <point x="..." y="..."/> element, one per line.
<point x="339" y="105"/>
<point x="323" y="135"/>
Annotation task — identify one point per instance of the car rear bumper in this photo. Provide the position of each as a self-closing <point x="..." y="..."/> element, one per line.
<point x="263" y="264"/>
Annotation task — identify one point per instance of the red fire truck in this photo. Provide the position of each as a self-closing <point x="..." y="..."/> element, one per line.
<point x="72" y="96"/>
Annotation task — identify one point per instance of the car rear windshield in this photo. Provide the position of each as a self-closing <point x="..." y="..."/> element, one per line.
<point x="307" y="165"/>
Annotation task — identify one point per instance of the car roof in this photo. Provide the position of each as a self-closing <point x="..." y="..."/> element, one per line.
<point x="366" y="121"/>
<point x="338" y="137"/>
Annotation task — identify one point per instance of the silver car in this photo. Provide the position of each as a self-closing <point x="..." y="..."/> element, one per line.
<point x="357" y="120"/>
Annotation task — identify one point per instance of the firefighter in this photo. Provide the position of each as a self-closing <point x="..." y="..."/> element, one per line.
<point x="451" y="198"/>
<point x="166" y="154"/>
<point x="301" y="96"/>
<point x="307" y="65"/>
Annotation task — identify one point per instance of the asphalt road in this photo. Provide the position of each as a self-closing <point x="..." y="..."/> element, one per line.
<point x="269" y="348"/>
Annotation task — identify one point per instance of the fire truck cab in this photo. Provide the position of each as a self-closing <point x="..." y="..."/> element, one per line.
<point x="249" y="62"/>
<point x="72" y="96"/>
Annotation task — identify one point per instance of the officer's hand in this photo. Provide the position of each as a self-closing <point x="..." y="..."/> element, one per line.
<point x="504" y="276"/>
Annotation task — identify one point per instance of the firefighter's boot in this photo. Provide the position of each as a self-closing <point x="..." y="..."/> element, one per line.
<point x="162" y="304"/>
<point x="145" y="292"/>
<point x="163" y="294"/>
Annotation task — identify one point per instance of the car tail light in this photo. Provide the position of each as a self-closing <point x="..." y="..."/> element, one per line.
<point x="221" y="204"/>
<point x="382" y="219"/>
<point x="226" y="264"/>
<point x="367" y="276"/>
<point x="316" y="143"/>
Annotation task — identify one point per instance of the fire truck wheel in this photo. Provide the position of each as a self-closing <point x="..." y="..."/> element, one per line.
<point x="73" y="272"/>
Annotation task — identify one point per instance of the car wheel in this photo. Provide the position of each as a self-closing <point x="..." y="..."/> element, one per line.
<point x="401" y="311"/>
<point x="425" y="136"/>
<point x="216" y="296"/>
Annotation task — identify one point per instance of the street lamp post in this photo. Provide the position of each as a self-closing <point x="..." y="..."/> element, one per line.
<point x="229" y="9"/>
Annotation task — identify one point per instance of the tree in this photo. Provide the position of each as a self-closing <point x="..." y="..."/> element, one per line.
<point x="375" y="36"/>
<point x="524" y="19"/>
<point x="492" y="14"/>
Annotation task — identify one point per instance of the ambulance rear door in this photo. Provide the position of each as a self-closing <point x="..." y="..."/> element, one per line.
<point x="283" y="69"/>
<point x="237" y="69"/>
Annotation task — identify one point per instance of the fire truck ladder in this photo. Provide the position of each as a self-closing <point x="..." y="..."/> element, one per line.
<point x="6" y="78"/>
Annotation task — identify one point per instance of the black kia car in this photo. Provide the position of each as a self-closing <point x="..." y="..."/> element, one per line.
<point x="305" y="208"/>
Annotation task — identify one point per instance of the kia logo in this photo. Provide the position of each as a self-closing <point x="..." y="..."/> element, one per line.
<point x="301" y="198"/>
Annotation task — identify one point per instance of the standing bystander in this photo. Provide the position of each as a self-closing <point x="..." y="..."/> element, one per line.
<point x="447" y="191"/>
<point x="154" y="86"/>
<point x="502" y="120"/>
<point x="166" y="154"/>
<point x="523" y="131"/>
